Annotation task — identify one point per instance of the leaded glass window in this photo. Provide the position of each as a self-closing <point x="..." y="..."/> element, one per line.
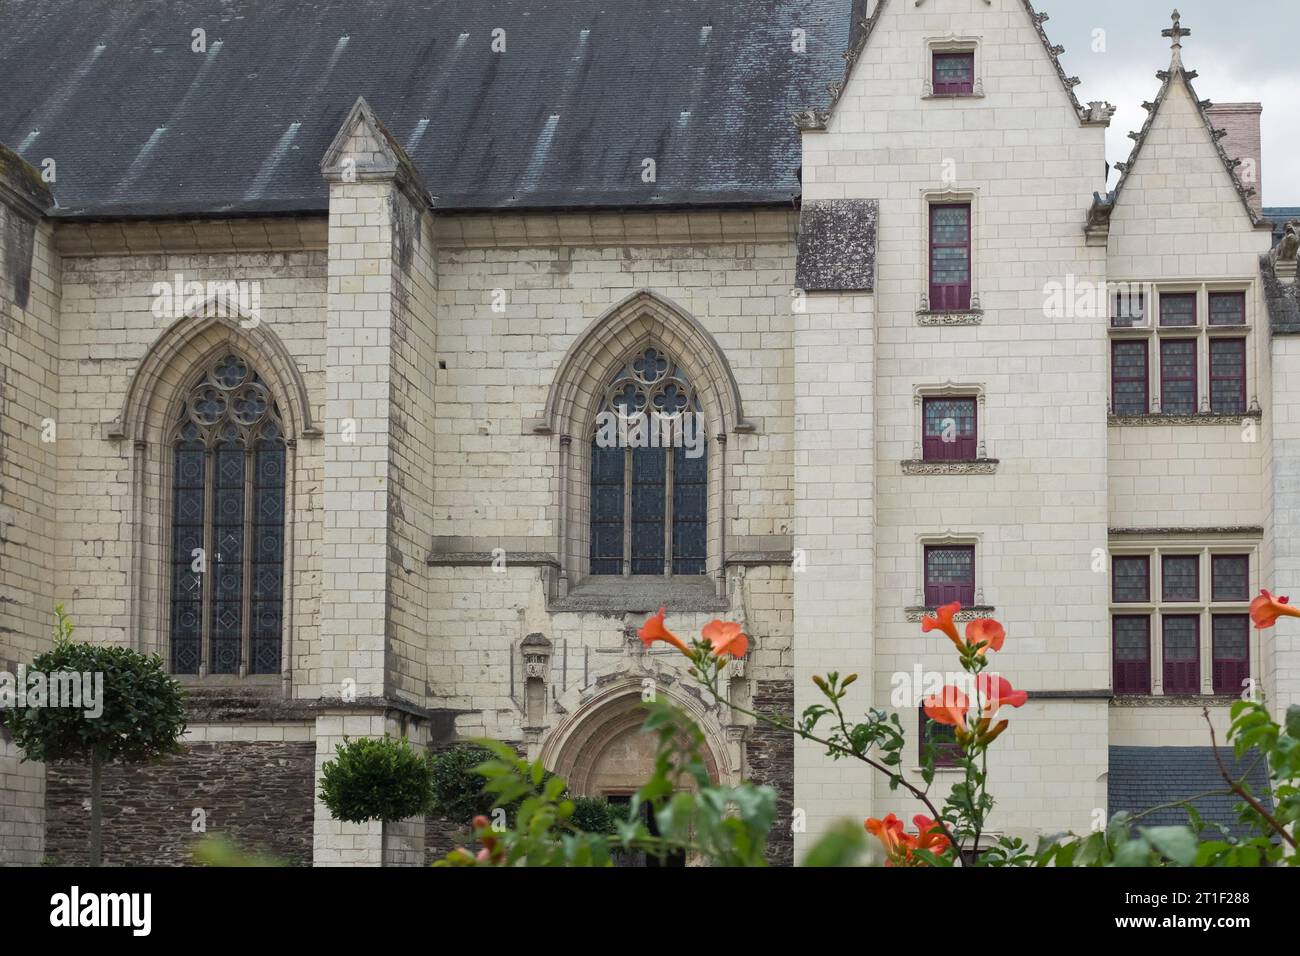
<point x="228" y="525"/>
<point x="649" y="472"/>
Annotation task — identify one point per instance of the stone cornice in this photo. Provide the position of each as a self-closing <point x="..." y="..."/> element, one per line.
<point x="758" y="558"/>
<point x="977" y="466"/>
<point x="475" y="559"/>
<point x="155" y="237"/>
<point x="1197" y="418"/>
<point x="1173" y="700"/>
<point x="1240" y="531"/>
<point x="639" y="227"/>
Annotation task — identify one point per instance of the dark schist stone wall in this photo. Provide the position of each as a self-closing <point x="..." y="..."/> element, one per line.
<point x="258" y="794"/>
<point x="769" y="754"/>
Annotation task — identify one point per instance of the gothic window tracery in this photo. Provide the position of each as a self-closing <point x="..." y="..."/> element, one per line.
<point x="649" y="471"/>
<point x="228" y="525"/>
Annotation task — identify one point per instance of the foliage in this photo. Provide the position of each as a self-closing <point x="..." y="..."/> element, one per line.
<point x="218" y="851"/>
<point x="376" y="778"/>
<point x="596" y="815"/>
<point x="457" y="789"/>
<point x="143" y="714"/>
<point x="725" y="825"/>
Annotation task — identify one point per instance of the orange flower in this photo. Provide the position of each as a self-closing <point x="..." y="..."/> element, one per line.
<point x="899" y="844"/>
<point x="725" y="638"/>
<point x="889" y="831"/>
<point x="929" y="835"/>
<point x="654" y="630"/>
<point x="997" y="691"/>
<point x="987" y="631"/>
<point x="1266" y="609"/>
<point x="943" y="621"/>
<point x="948" y="708"/>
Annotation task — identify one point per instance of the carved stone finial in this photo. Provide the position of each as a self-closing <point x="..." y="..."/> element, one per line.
<point x="1290" y="244"/>
<point x="1176" y="32"/>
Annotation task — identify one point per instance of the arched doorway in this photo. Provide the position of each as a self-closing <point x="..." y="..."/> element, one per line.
<point x="601" y="751"/>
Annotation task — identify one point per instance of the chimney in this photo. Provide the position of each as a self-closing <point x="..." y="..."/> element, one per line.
<point x="1241" y="120"/>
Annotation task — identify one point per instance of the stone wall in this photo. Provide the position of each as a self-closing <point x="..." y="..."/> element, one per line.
<point x="769" y="759"/>
<point x="259" y="794"/>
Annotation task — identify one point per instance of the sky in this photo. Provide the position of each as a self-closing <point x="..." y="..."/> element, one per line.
<point x="1244" y="51"/>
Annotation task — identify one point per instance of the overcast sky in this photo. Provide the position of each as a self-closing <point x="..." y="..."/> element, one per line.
<point x="1244" y="51"/>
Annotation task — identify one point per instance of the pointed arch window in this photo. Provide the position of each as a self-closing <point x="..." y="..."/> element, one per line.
<point x="228" y="525"/>
<point x="649" y="472"/>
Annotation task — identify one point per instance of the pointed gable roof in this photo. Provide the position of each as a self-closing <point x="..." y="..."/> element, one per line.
<point x="1177" y="73"/>
<point x="861" y="27"/>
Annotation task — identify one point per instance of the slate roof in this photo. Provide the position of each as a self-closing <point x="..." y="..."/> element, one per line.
<point x="1144" y="777"/>
<point x="139" y="125"/>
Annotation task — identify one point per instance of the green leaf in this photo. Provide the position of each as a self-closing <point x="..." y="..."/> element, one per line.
<point x="843" y="844"/>
<point x="1178" y="844"/>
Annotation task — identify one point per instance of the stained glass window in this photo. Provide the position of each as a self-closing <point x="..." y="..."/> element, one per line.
<point x="649" y="472"/>
<point x="228" y="525"/>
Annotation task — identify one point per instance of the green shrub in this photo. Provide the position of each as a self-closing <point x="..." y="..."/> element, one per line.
<point x="457" y="790"/>
<point x="376" y="779"/>
<point x="597" y="815"/>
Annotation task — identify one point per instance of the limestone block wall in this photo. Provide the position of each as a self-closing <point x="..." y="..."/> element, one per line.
<point x="1024" y="158"/>
<point x="30" y="431"/>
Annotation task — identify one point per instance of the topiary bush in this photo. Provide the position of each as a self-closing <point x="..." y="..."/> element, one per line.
<point x="375" y="778"/>
<point x="139" y="716"/>
<point x="457" y="789"/>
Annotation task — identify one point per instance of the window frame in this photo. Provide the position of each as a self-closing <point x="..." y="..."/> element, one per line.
<point x="965" y="447"/>
<point x="964" y="88"/>
<point x="1178" y="676"/>
<point x="1207" y="606"/>
<point x="1145" y="379"/>
<point x="1166" y="380"/>
<point x="931" y="597"/>
<point x="1240" y="405"/>
<point x="1132" y="685"/>
<point x="964" y="293"/>
<point x="1228" y="676"/>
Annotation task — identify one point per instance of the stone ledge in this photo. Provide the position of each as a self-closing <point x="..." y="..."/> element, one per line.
<point x="1238" y="530"/>
<point x="475" y="559"/>
<point x="1173" y="700"/>
<point x="974" y="466"/>
<point x="642" y="594"/>
<point x="914" y="614"/>
<point x="1196" y="418"/>
<point x="966" y="317"/>
<point x="234" y="705"/>
<point x="751" y="559"/>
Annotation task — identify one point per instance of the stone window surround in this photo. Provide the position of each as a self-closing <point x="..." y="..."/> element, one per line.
<point x="952" y="43"/>
<point x="981" y="464"/>
<point x="163" y="378"/>
<point x="1152" y="333"/>
<point x="947" y="196"/>
<point x="948" y="538"/>
<point x="642" y="319"/>
<point x="1155" y="608"/>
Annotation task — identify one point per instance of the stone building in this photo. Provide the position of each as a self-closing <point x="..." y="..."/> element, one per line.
<point x="311" y="313"/>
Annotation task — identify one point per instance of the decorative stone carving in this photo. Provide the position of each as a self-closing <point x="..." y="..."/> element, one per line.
<point x="1200" y="418"/>
<point x="969" y="317"/>
<point x="837" y="246"/>
<point x="914" y="614"/>
<point x="979" y="466"/>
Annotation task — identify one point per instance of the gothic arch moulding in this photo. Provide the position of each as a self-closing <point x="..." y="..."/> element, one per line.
<point x="574" y="749"/>
<point x="191" y="340"/>
<point x="642" y="319"/>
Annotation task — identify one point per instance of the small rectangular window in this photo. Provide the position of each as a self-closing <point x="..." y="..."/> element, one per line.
<point x="1178" y="309"/>
<point x="1128" y="309"/>
<point x="1227" y="308"/>
<point x="950" y="429"/>
<point x="954" y="73"/>
<point x="1230" y="652"/>
<point x="1180" y="635"/>
<point x="1129" y="378"/>
<point x="949" y="575"/>
<point x="1229" y="577"/>
<point x="1131" y="636"/>
<point x="942" y="738"/>
<point x="1130" y="579"/>
<point x="1178" y="376"/>
<point x="1180" y="576"/>
<point x="1228" y="376"/>
<point x="950" y="262"/>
